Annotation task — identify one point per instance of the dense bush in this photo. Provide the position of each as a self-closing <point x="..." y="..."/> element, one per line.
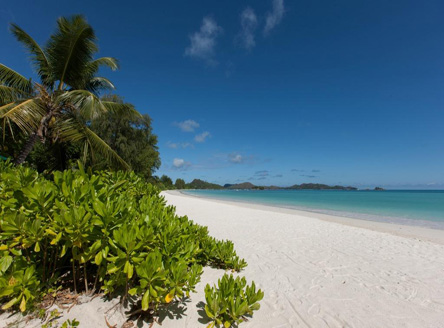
<point x="104" y="231"/>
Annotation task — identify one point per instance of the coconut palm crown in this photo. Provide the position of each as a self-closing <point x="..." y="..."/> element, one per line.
<point x="61" y="105"/>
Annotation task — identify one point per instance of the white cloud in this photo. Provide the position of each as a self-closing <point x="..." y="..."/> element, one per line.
<point x="275" y="16"/>
<point x="187" y="126"/>
<point x="235" y="158"/>
<point x="180" y="164"/>
<point x="201" y="137"/>
<point x="249" y="25"/>
<point x="203" y="42"/>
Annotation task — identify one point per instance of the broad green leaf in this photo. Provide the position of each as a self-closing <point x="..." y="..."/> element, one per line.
<point x="130" y="271"/>
<point x="10" y="303"/>
<point x="208" y="312"/>
<point x="23" y="304"/>
<point x="146" y="300"/>
<point x="5" y="262"/>
<point x="98" y="258"/>
<point x="132" y="291"/>
<point x="255" y="306"/>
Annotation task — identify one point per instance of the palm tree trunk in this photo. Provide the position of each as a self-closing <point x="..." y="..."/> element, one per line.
<point x="27" y="149"/>
<point x="41" y="132"/>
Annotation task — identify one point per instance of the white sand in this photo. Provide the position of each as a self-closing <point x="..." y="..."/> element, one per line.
<point x="316" y="270"/>
<point x="320" y="273"/>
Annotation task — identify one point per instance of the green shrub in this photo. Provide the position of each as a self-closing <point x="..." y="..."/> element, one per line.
<point x="105" y="231"/>
<point x="232" y="300"/>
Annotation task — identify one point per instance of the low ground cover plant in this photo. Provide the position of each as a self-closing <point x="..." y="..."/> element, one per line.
<point x="231" y="301"/>
<point x="106" y="231"/>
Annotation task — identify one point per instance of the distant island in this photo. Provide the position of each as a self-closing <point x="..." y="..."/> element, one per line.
<point x="200" y="184"/>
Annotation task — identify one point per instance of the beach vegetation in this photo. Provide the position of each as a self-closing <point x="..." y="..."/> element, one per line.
<point x="57" y="110"/>
<point x="231" y="301"/>
<point x="130" y="136"/>
<point x="85" y="214"/>
<point x="180" y="184"/>
<point x="165" y="183"/>
<point x="103" y="231"/>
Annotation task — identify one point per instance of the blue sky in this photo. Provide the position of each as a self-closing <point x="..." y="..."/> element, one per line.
<point x="273" y="92"/>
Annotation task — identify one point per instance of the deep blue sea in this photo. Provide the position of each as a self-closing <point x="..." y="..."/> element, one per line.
<point x="411" y="207"/>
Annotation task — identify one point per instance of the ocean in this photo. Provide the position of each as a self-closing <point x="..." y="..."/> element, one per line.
<point x="410" y="207"/>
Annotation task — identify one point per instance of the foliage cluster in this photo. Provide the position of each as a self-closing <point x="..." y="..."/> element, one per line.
<point x="65" y="117"/>
<point x="130" y="136"/>
<point x="104" y="231"/>
<point x="180" y="184"/>
<point x="231" y="300"/>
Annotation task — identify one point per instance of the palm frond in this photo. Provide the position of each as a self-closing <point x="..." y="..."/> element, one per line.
<point x="110" y="62"/>
<point x="120" y="109"/>
<point x="38" y="56"/>
<point x="9" y="95"/>
<point x="11" y="78"/>
<point x="25" y="114"/>
<point x="72" y="130"/>
<point x="87" y="104"/>
<point x="98" y="83"/>
<point x="70" y="49"/>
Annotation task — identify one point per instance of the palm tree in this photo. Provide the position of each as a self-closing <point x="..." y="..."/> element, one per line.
<point x="60" y="107"/>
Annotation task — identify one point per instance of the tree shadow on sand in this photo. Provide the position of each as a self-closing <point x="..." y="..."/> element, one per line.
<point x="173" y="311"/>
<point x="204" y="319"/>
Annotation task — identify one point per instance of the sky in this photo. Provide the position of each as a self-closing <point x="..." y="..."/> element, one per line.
<point x="272" y="92"/>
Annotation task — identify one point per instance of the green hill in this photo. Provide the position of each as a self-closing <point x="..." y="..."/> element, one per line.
<point x="319" y="186"/>
<point x="200" y="184"/>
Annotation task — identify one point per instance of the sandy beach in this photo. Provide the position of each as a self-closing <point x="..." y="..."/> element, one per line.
<point x="316" y="270"/>
<point x="329" y="272"/>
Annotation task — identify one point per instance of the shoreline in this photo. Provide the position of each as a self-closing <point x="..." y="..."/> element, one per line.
<point x="323" y="271"/>
<point x="403" y="230"/>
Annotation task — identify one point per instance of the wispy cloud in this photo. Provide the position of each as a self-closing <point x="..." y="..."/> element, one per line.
<point x="263" y="173"/>
<point x="278" y="176"/>
<point x="300" y="170"/>
<point x="180" y="164"/>
<point x="187" y="126"/>
<point x="203" y="42"/>
<point x="275" y="16"/>
<point x="249" y="24"/>
<point x="202" y="137"/>
<point x="177" y="145"/>
<point x="308" y="176"/>
<point x="235" y="158"/>
<point x="260" y="175"/>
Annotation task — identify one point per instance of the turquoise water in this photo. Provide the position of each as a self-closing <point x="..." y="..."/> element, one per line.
<point x="412" y="207"/>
